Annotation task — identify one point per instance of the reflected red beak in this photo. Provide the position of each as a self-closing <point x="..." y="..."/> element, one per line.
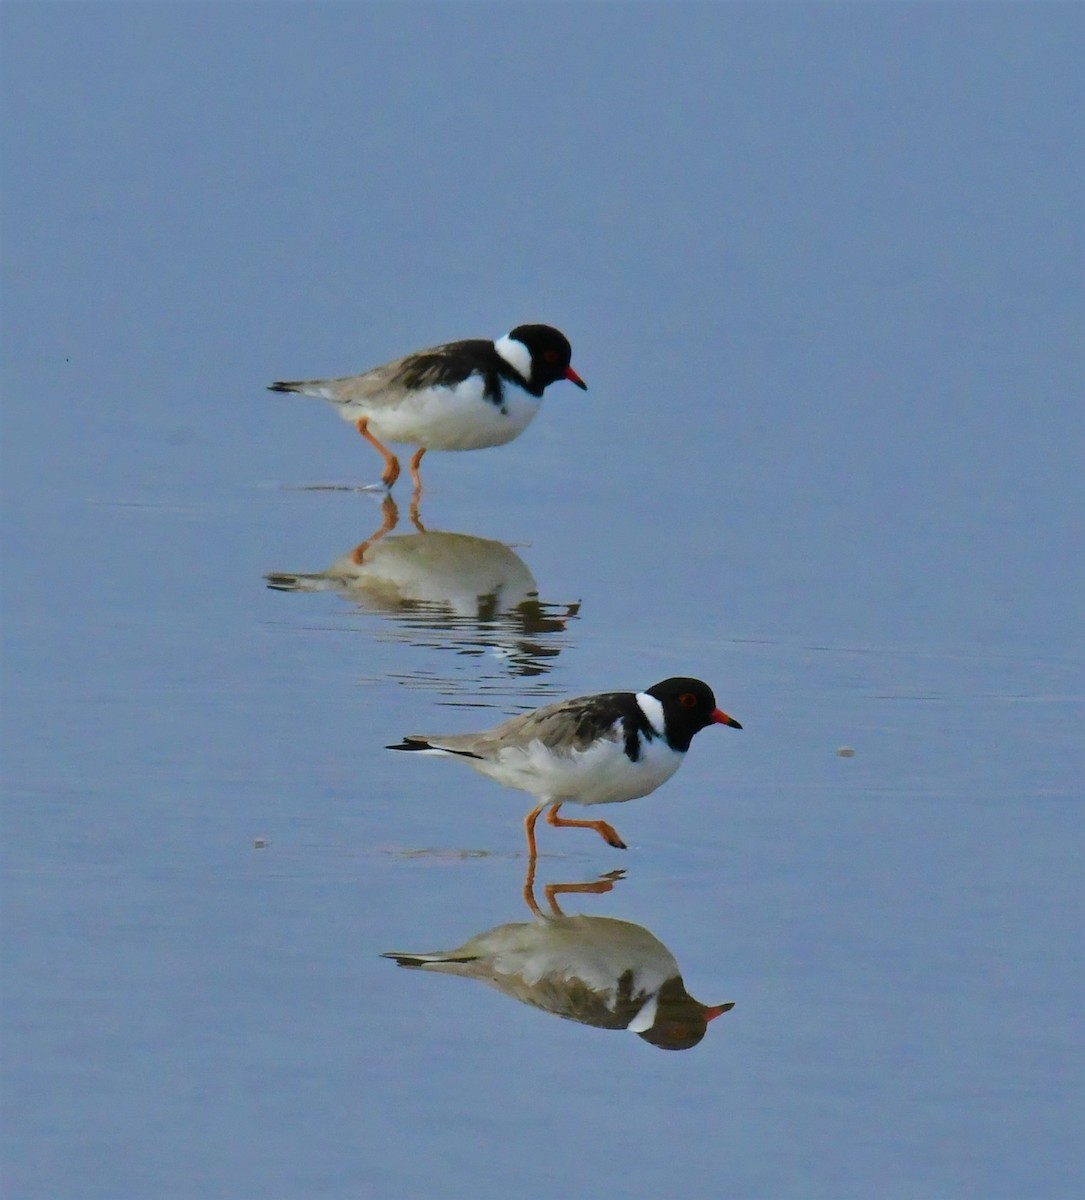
<point x="573" y="377"/>
<point x="711" y="1013"/>
<point x="721" y="718"/>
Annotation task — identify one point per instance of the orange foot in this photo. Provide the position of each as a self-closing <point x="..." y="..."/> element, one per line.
<point x="605" y="831"/>
<point x="391" y="464"/>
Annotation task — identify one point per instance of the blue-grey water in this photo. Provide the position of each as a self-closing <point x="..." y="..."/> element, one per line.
<point x="821" y="267"/>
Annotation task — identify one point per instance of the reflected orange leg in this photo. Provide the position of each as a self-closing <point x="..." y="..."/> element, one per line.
<point x="391" y="516"/>
<point x="600" y="887"/>
<point x="529" y="887"/>
<point x="412" y="512"/>
<point x="391" y="463"/>
<point x="605" y="831"/>
<point x="552" y="890"/>
<point x="416" y="495"/>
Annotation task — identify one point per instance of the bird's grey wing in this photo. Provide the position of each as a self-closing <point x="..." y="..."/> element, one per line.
<point x="442" y="366"/>
<point x="563" y="727"/>
<point x="576" y="1000"/>
<point x="387" y="385"/>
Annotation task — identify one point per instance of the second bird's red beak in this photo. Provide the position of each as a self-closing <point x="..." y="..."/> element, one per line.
<point x="721" y="718"/>
<point x="573" y="377"/>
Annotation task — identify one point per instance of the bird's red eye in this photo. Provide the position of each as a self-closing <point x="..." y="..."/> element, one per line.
<point x="550" y="355"/>
<point x="687" y="700"/>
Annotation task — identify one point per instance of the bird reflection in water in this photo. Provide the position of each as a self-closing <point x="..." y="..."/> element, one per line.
<point x="475" y="594"/>
<point x="594" y="970"/>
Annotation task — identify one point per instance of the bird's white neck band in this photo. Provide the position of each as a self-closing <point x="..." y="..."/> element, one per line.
<point x="516" y="354"/>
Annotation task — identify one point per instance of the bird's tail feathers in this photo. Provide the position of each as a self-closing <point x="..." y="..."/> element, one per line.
<point x="417" y="961"/>
<point x="284" y="581"/>
<point x="307" y="387"/>
<point x="413" y="742"/>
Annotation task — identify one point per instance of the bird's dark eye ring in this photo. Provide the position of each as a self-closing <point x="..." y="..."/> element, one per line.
<point x="687" y="700"/>
<point x="550" y="355"/>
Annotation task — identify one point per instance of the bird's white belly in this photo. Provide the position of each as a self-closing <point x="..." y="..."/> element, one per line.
<point x="454" y="571"/>
<point x="602" y="774"/>
<point x="441" y="418"/>
<point x="593" y="951"/>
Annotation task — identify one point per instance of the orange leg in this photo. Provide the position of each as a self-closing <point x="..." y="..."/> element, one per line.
<point x="605" y="831"/>
<point x="391" y="463"/>
<point x="529" y="829"/>
<point x="416" y="462"/>
<point x="391" y="516"/>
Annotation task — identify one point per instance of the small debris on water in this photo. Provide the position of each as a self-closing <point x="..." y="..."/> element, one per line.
<point x="259" y="843"/>
<point x="845" y="752"/>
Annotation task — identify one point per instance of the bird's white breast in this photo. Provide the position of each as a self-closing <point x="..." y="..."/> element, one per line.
<point x="449" y="418"/>
<point x="600" y="774"/>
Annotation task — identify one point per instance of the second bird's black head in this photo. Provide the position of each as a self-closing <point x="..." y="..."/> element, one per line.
<point x="688" y="707"/>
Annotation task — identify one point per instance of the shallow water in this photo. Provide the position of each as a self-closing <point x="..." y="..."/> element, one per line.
<point x="827" y="461"/>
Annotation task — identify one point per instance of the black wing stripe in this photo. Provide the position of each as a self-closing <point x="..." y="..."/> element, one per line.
<point x="596" y="716"/>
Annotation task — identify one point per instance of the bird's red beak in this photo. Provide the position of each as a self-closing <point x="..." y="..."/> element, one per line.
<point x="711" y="1013"/>
<point x="573" y="377"/>
<point x="721" y="718"/>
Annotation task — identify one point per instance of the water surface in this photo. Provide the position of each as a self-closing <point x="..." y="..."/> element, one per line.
<point x="821" y="271"/>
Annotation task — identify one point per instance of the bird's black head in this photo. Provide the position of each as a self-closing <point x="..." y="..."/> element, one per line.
<point x="551" y="355"/>
<point x="688" y="707"/>
<point x="681" y="1022"/>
